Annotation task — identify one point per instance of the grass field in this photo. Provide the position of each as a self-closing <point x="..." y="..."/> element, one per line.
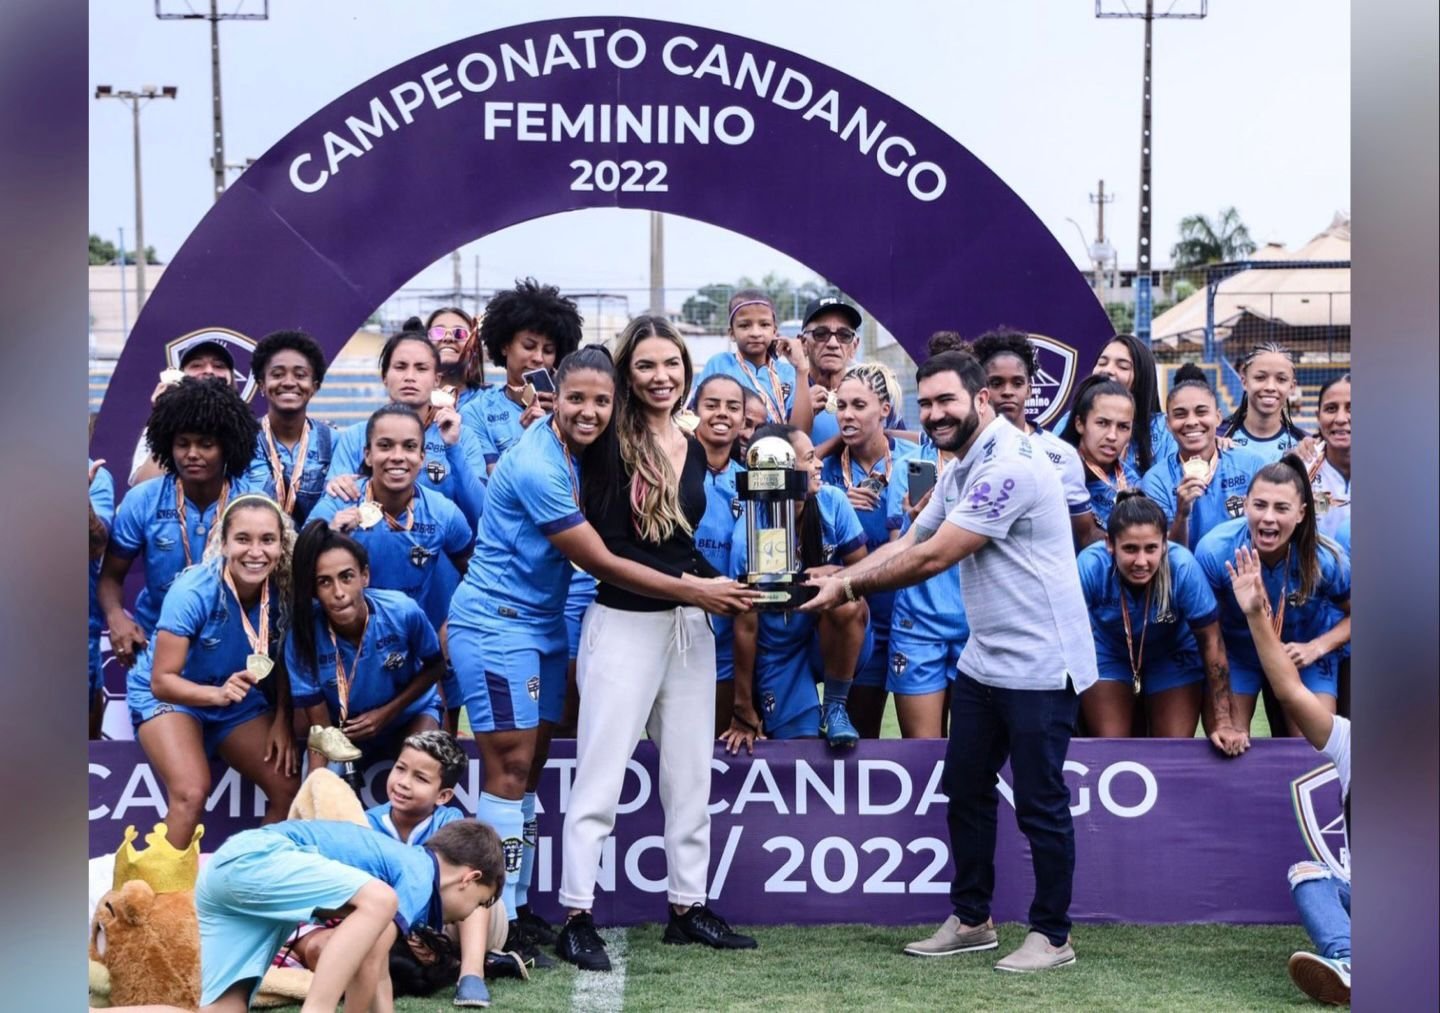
<point x="858" y="967"/>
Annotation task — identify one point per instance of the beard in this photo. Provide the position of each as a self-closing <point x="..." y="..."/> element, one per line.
<point x="964" y="429"/>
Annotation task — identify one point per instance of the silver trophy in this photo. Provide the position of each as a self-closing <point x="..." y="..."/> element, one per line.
<point x="771" y="490"/>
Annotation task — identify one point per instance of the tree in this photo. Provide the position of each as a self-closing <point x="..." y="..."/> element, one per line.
<point x="102" y="251"/>
<point x="1203" y="241"/>
<point x="707" y="307"/>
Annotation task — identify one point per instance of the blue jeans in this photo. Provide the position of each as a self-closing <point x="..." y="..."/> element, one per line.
<point x="1031" y="728"/>
<point x="1323" y="900"/>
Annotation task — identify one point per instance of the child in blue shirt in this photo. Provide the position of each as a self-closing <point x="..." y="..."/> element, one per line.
<point x="102" y="518"/>
<point x="757" y="362"/>
<point x="362" y="659"/>
<point x="260" y="883"/>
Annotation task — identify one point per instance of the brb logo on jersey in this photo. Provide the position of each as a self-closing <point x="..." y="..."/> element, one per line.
<point x="1054" y="378"/>
<point x="240" y="349"/>
<point x="1321" y="815"/>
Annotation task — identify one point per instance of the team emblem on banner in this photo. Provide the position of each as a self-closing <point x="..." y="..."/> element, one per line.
<point x="1054" y="378"/>
<point x="1321" y="815"/>
<point x="239" y="345"/>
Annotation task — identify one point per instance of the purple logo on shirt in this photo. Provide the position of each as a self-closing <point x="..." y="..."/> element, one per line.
<point x="980" y="498"/>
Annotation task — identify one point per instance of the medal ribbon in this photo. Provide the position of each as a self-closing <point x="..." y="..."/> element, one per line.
<point x="394" y="524"/>
<point x="259" y="639"/>
<point x="285" y="492"/>
<point x="869" y="472"/>
<point x="1121" y="484"/>
<point x="1277" y="614"/>
<point x="185" y="525"/>
<point x="569" y="463"/>
<point x="1214" y="466"/>
<point x="1131" y="654"/>
<point x="343" y="681"/>
<point x="775" y="400"/>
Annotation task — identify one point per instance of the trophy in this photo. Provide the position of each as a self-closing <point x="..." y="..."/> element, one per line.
<point x="770" y="490"/>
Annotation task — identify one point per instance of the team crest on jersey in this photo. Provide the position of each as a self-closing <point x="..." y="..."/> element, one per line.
<point x="436" y="471"/>
<point x="898" y="663"/>
<point x="394" y="661"/>
<point x="1235" y="505"/>
<point x="419" y="555"/>
<point x="1321" y="815"/>
<point x="1167" y="616"/>
<point x="767" y="701"/>
<point x="1054" y="376"/>
<point x="785" y="390"/>
<point x="736" y="507"/>
<point x="532" y="686"/>
<point x="513" y="848"/>
<point x="531" y="833"/>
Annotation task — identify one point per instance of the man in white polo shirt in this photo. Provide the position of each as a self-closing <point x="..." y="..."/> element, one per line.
<point x="998" y="511"/>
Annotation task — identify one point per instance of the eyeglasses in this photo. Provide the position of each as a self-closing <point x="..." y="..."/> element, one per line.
<point x="456" y="334"/>
<point x="823" y="335"/>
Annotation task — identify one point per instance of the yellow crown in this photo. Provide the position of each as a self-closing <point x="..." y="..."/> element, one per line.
<point x="165" y="867"/>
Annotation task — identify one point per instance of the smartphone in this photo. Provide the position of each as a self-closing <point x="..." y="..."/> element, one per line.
<point x="922" y="479"/>
<point x="541" y="379"/>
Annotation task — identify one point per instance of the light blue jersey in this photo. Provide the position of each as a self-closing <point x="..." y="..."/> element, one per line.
<point x="1163" y="636"/>
<point x="407" y="561"/>
<point x="148" y="525"/>
<point x="761" y="379"/>
<point x="1162" y="441"/>
<point x="492" y="416"/>
<point x="456" y="472"/>
<point x="399" y="642"/>
<point x="1268" y="450"/>
<point x="1103" y="491"/>
<point x="1223" y="499"/>
<point x="102" y="501"/>
<point x="713" y="538"/>
<point x="379" y="817"/>
<point x="1304" y="621"/>
<point x="319" y="448"/>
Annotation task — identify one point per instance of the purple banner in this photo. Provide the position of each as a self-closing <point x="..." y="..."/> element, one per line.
<point x="1165" y="831"/>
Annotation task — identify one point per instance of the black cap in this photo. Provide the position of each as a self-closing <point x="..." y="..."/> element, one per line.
<point x="217" y="348"/>
<point x="830" y="304"/>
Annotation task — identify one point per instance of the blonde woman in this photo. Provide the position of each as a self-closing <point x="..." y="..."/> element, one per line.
<point x="647" y="665"/>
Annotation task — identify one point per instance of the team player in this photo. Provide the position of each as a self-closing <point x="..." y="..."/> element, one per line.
<point x="754" y="418"/>
<point x="1261" y="423"/>
<point x="1307" y="578"/>
<point x="1199" y="486"/>
<point x="1329" y="466"/>
<point x="290" y="367"/>
<point x="453" y="331"/>
<point x="780" y="656"/>
<point x="720" y="406"/>
<point x="757" y="361"/>
<point x="196" y="691"/>
<point x="1129" y="361"/>
<point x="869" y="466"/>
<point x="362" y="659"/>
<point x="1008" y="358"/>
<point x="1157" y="633"/>
<point x="250" y="895"/>
<point x="203" y="435"/>
<point x="102" y="518"/>
<point x="1100" y="429"/>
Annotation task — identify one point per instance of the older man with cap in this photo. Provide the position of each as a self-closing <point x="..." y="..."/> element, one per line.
<point x="831" y="331"/>
<point x="204" y="360"/>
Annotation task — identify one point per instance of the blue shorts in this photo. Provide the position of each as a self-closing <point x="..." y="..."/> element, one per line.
<point x="919" y="665"/>
<point x="724" y="630"/>
<point x="216" y="723"/>
<point x="1321" y="677"/>
<point x="249" y="898"/>
<point x="510" y="679"/>
<point x="582" y="593"/>
<point x="97" y="672"/>
<point x="451" y="696"/>
<point x="1181" y="669"/>
<point x="786" y="676"/>
<point x="804" y="725"/>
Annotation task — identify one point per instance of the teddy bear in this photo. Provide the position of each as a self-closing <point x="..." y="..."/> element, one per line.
<point x="145" y="948"/>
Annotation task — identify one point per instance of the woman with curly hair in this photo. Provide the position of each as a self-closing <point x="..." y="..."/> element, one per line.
<point x="198" y="691"/>
<point x="293" y="453"/>
<point x="203" y="436"/>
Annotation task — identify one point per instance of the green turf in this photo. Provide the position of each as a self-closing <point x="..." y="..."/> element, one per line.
<point x="857" y="967"/>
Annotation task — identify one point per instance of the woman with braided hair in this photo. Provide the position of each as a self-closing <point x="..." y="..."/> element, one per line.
<point x="1261" y="423"/>
<point x="203" y="435"/>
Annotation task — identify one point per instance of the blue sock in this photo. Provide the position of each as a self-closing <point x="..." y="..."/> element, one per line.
<point x="530" y="835"/>
<point x="507" y="816"/>
<point x="837" y="690"/>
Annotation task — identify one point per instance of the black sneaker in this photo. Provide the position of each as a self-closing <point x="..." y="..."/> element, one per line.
<point x="581" y="945"/>
<point x="518" y="939"/>
<point x="701" y="925"/>
<point x="506" y="965"/>
<point x="541" y="932"/>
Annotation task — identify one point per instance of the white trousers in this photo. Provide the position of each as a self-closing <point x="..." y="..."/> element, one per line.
<point x="642" y="672"/>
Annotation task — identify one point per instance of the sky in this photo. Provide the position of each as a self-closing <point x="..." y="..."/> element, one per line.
<point x="1251" y="109"/>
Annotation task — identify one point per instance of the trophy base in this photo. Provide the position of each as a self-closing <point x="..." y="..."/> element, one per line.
<point x="781" y="597"/>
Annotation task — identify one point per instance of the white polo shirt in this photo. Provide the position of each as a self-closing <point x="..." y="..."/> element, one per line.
<point x="1029" y="628"/>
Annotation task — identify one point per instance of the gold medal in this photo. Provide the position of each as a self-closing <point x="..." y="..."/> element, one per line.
<point x="1199" y="468"/>
<point x="832" y="403"/>
<point x="259" y="665"/>
<point x="370" y="514"/>
<point x="527" y="395"/>
<point x="171" y="376"/>
<point x="1322" y="502"/>
<point x="688" y="421"/>
<point x="442" y="399"/>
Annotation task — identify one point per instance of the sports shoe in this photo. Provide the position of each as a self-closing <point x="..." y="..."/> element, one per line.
<point x="537" y="929"/>
<point x="518" y="938"/>
<point x="1321" y="978"/>
<point x="508" y="964"/>
<point x="332" y="743"/>
<point x="836" y="727"/>
<point x="471" y="992"/>
<point x="581" y="945"/>
<point x="954" y="936"/>
<point x="1037" y="954"/>
<point x="701" y="925"/>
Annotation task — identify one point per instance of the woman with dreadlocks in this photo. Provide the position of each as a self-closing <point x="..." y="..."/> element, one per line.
<point x="1261" y="424"/>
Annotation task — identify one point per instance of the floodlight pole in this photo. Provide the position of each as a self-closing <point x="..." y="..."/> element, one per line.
<point x="137" y="99"/>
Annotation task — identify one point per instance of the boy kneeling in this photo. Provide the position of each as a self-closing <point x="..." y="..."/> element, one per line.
<point x="262" y="882"/>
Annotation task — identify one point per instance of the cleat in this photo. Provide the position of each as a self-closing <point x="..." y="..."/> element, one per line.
<point x="836" y="728"/>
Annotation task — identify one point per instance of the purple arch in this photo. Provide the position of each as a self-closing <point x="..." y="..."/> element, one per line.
<point x="942" y="244"/>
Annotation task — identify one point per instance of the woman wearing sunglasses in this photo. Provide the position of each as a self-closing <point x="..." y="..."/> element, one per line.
<point x="452" y="331"/>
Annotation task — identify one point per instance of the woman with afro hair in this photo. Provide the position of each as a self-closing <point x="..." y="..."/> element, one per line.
<point x="203" y="436"/>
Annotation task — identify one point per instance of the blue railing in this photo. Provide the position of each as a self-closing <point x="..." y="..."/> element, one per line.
<point x="1234" y="385"/>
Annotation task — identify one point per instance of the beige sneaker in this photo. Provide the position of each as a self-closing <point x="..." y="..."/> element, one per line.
<point x="1036" y="954"/>
<point x="332" y="744"/>
<point x="956" y="937"/>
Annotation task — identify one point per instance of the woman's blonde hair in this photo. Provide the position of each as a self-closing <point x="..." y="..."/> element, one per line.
<point x="655" y="488"/>
<point x="877" y="376"/>
<point x="281" y="575"/>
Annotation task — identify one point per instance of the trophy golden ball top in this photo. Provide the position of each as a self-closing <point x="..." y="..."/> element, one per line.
<point x="770" y="453"/>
